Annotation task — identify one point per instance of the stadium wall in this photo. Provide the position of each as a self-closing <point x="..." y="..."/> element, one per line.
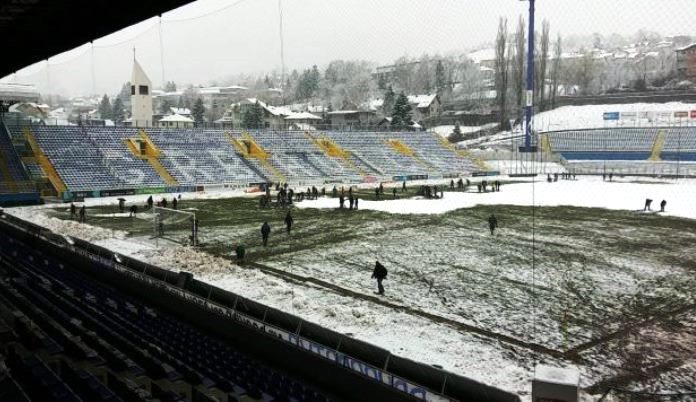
<point x="354" y="369"/>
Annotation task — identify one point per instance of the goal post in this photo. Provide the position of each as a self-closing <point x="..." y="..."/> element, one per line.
<point x="174" y="225"/>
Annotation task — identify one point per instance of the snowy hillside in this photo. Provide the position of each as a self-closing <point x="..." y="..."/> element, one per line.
<point x="629" y="115"/>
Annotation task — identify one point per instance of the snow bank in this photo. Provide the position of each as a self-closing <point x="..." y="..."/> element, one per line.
<point x="587" y="192"/>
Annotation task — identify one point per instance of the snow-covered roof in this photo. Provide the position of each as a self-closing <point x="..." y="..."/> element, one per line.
<point x="303" y="116"/>
<point x="220" y="90"/>
<point x="274" y="110"/>
<point x="484" y="68"/>
<point x="687" y="47"/>
<point x="421" y="100"/>
<point x="176" y="118"/>
<point x="373" y="104"/>
<point x="482" y="55"/>
<point x="344" y="112"/>
<point x="180" y="110"/>
<point x="571" y="55"/>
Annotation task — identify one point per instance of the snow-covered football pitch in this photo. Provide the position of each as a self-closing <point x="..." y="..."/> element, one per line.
<point x="584" y="278"/>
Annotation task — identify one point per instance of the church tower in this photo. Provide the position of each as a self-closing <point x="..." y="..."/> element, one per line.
<point x="141" y="97"/>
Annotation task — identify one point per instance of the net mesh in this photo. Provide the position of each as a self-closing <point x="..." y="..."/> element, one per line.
<point x="174" y="225"/>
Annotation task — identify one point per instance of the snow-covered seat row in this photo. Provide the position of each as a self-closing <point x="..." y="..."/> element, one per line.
<point x="202" y="157"/>
<point x="98" y="158"/>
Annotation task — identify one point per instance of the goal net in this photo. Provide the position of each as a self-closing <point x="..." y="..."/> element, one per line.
<point x="177" y="226"/>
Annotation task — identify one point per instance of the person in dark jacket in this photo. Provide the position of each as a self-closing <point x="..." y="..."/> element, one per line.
<point x="239" y="252"/>
<point x="648" y="203"/>
<point x="356" y="202"/>
<point x="376" y="193"/>
<point x="265" y="232"/>
<point x="289" y="221"/>
<point x="174" y="203"/>
<point x="403" y="186"/>
<point x="379" y="273"/>
<point x="82" y="214"/>
<point x="351" y="200"/>
<point x="341" y="201"/>
<point x="73" y="210"/>
<point x="149" y="202"/>
<point x="164" y="203"/>
<point x="663" y="204"/>
<point x="492" y="223"/>
<point x="394" y="192"/>
<point x="133" y="210"/>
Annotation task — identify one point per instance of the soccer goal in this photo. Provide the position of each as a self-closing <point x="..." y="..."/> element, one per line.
<point x="177" y="226"/>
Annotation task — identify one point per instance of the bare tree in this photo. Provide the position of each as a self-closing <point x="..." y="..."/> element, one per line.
<point x="585" y="72"/>
<point x="501" y="71"/>
<point x="543" y="58"/>
<point x="555" y="73"/>
<point x="518" y="58"/>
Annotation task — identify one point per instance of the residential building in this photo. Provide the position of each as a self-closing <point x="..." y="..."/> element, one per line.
<point x="424" y="106"/>
<point x="273" y="116"/>
<point x="352" y="119"/>
<point x="686" y="61"/>
<point x="175" y="121"/>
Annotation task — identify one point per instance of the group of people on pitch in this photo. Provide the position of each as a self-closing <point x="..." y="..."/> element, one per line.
<point x="133" y="210"/>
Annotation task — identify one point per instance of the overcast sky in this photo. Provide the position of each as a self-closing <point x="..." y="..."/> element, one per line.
<point x="213" y="39"/>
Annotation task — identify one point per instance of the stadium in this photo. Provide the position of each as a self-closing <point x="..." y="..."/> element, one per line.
<point x="552" y="261"/>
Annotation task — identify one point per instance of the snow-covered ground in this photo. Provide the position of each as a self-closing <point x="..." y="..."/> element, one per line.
<point x="588" y="192"/>
<point x="414" y="337"/>
<point x="447" y="129"/>
<point x="632" y="115"/>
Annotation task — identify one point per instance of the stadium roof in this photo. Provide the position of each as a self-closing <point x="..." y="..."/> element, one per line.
<point x="38" y="29"/>
<point x="18" y="92"/>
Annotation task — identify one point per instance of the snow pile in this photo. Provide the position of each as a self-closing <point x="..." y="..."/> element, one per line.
<point x="591" y="193"/>
<point x="592" y="116"/>
<point x="67" y="227"/>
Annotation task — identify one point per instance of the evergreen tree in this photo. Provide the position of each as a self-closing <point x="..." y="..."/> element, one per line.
<point x="180" y="104"/>
<point x="401" y="115"/>
<point x="105" y="108"/>
<point x="117" y="112"/>
<point x="388" y="104"/>
<point x="198" y="111"/>
<point x="165" y="104"/>
<point x="314" y="79"/>
<point x="456" y="135"/>
<point x="170" y="86"/>
<point x="440" y="78"/>
<point x="253" y="116"/>
<point x="125" y="93"/>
